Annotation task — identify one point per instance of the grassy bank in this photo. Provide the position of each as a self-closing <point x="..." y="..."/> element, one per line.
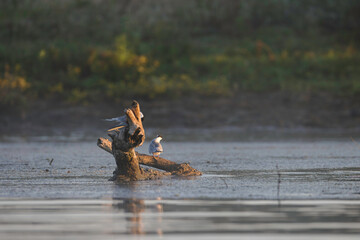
<point x="99" y="50"/>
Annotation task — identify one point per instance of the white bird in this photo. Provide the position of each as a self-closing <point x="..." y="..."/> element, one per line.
<point x="155" y="147"/>
<point x="122" y="121"/>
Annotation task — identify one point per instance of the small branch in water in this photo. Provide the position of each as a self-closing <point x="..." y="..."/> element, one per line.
<point x="224" y="182"/>
<point x="278" y="185"/>
<point x="50" y="160"/>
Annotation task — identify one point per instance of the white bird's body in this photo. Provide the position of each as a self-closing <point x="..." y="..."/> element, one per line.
<point x="121" y="121"/>
<point x="155" y="147"/>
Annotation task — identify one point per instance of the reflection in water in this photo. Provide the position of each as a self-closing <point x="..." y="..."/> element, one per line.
<point x="87" y="206"/>
<point x="135" y="220"/>
<point x="163" y="217"/>
<point x="148" y="219"/>
<point x="136" y="208"/>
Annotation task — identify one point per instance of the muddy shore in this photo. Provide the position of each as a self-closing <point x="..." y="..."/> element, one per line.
<point x="245" y="110"/>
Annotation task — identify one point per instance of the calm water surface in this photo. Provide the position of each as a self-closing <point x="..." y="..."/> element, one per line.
<point x="258" y="189"/>
<point x="178" y="219"/>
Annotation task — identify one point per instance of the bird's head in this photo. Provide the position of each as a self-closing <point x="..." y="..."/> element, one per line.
<point x="159" y="137"/>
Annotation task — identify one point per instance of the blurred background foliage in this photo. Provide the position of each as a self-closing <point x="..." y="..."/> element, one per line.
<point x="81" y="51"/>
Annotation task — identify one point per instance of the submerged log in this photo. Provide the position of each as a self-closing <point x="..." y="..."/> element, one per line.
<point x="122" y="147"/>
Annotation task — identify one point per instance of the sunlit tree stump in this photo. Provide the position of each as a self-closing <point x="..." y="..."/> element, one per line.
<point x="122" y="147"/>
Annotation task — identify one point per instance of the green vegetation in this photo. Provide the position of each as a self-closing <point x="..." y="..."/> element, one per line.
<point x="80" y="51"/>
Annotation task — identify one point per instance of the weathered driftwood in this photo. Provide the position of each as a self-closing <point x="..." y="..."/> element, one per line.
<point x="122" y="147"/>
<point x="183" y="169"/>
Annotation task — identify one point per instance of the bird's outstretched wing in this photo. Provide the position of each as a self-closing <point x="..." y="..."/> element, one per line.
<point x="120" y="120"/>
<point x="110" y="119"/>
<point x="116" y="119"/>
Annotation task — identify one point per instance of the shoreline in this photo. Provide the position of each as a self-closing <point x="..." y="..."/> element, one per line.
<point x="247" y="111"/>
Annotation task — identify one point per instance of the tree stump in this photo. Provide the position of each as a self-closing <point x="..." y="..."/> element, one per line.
<point x="122" y="147"/>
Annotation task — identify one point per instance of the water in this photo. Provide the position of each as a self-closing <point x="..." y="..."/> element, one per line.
<point x="261" y="189"/>
<point x="178" y="219"/>
<point x="232" y="170"/>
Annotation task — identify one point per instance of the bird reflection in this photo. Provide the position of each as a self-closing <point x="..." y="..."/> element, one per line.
<point x="136" y="224"/>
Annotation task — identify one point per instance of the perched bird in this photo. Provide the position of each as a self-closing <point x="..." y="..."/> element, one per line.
<point x="121" y="121"/>
<point x="155" y="147"/>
